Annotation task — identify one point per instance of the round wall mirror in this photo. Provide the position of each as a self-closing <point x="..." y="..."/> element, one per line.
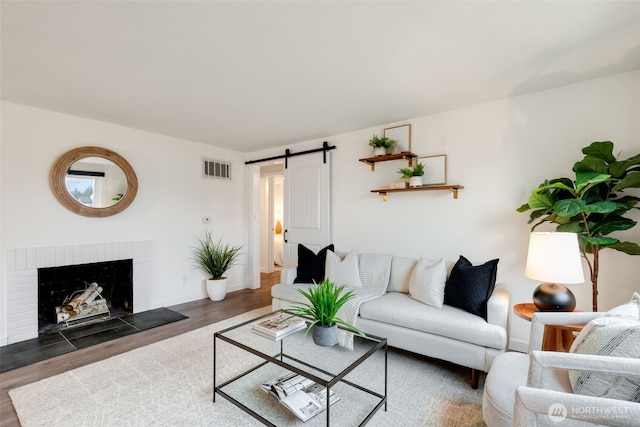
<point x="93" y="181"/>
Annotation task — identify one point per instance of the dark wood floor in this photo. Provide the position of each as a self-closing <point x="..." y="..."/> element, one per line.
<point x="201" y="313"/>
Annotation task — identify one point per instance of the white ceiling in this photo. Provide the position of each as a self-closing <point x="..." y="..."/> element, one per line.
<point x="254" y="75"/>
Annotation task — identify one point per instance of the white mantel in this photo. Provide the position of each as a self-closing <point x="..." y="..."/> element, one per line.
<point x="22" y="266"/>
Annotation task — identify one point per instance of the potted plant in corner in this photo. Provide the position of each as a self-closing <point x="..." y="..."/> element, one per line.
<point x="325" y="299"/>
<point x="381" y="146"/>
<point x="215" y="258"/>
<point x="592" y="205"/>
<point x="413" y="174"/>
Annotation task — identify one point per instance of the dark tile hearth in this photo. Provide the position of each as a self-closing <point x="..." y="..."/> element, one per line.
<point x="82" y="336"/>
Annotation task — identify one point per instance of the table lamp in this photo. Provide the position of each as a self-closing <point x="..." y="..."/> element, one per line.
<point x="554" y="258"/>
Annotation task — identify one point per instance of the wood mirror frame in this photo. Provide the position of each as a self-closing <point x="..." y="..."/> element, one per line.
<point x="59" y="187"/>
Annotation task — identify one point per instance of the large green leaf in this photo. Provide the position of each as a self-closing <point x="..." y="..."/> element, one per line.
<point x="632" y="180"/>
<point x="591" y="164"/>
<point x="628" y="248"/>
<point x="612" y="223"/>
<point x="603" y="206"/>
<point x="569" y="207"/>
<point x="600" y="240"/>
<point x="559" y="185"/>
<point x="540" y="200"/>
<point x="601" y="150"/>
<point x="587" y="180"/>
<point x="627" y="202"/>
<point x="618" y="169"/>
<point x="571" y="227"/>
<point x="537" y="214"/>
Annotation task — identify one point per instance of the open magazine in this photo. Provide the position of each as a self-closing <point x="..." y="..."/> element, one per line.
<point x="302" y="396"/>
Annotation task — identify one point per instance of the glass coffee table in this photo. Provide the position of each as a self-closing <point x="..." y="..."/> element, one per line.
<point x="357" y="377"/>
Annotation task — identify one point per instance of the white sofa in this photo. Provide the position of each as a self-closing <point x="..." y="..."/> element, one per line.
<point x="448" y="333"/>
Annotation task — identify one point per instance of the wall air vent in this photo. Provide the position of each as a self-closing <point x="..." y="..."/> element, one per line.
<point x="216" y="169"/>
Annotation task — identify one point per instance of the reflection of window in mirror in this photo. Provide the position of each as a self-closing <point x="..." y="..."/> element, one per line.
<point x="83" y="189"/>
<point x="96" y="182"/>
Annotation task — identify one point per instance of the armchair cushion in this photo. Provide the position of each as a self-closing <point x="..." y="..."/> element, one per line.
<point x="608" y="336"/>
<point x="510" y="371"/>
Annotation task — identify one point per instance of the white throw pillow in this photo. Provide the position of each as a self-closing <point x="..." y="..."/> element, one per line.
<point x="343" y="271"/>
<point x="427" y="282"/>
<point x="617" y="336"/>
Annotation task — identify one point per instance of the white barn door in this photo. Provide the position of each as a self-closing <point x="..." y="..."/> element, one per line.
<point x="307" y="210"/>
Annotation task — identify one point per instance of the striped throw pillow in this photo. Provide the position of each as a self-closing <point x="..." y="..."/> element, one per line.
<point x="617" y="336"/>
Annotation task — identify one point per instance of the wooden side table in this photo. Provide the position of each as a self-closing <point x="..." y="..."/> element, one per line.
<point x="556" y="337"/>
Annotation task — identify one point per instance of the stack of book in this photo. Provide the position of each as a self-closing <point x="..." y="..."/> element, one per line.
<point x="302" y="396"/>
<point x="278" y="326"/>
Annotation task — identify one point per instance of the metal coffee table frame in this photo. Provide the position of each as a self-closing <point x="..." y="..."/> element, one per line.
<point x="279" y="359"/>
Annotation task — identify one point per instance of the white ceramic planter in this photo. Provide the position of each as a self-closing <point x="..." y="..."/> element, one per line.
<point x="379" y="151"/>
<point x="415" y="181"/>
<point x="217" y="289"/>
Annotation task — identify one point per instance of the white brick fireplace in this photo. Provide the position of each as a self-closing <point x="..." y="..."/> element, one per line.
<point x="22" y="266"/>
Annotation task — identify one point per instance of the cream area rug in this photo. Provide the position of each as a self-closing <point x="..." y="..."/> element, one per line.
<point x="170" y="383"/>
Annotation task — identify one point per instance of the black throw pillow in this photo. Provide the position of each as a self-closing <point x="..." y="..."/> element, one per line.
<point x="469" y="287"/>
<point x="311" y="266"/>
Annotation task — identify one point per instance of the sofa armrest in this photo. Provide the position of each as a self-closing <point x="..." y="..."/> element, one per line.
<point x="544" y="361"/>
<point x="535" y="407"/>
<point x="498" y="307"/>
<point x="288" y="275"/>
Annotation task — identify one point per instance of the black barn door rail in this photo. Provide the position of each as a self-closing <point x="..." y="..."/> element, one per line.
<point x="325" y="147"/>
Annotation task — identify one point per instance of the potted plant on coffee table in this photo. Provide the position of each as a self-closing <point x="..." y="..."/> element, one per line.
<point x="413" y="174"/>
<point x="325" y="299"/>
<point x="215" y="258"/>
<point x="381" y="146"/>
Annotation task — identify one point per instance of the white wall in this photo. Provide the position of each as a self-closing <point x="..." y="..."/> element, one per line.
<point x="499" y="151"/>
<point x="172" y="197"/>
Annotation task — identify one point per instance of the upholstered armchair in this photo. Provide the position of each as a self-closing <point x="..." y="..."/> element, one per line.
<point x="534" y="389"/>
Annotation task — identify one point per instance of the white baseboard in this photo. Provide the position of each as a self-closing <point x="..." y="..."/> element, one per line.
<point x="518" y="345"/>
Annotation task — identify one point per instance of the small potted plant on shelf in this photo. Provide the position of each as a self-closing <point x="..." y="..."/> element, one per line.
<point x="381" y="146"/>
<point x="215" y="258"/>
<point x="413" y="174"/>
<point x="325" y="299"/>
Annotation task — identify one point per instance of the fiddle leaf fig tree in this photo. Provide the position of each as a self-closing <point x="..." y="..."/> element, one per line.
<point x="592" y="205"/>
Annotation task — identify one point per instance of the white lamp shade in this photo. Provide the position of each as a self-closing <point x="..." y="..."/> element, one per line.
<point x="555" y="258"/>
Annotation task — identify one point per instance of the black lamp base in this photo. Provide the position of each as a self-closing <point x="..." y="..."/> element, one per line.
<point x="554" y="297"/>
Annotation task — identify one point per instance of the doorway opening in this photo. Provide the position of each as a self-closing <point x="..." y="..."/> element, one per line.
<point x="271" y="217"/>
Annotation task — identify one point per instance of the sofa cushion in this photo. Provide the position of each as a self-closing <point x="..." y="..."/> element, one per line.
<point x="469" y="287"/>
<point x="289" y="292"/>
<point x="343" y="271"/>
<point x="427" y="282"/>
<point x="310" y="265"/>
<point x="401" y="310"/>
<point x="617" y="336"/>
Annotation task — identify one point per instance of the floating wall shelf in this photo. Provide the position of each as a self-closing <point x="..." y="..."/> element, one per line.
<point x="405" y="155"/>
<point x="453" y="188"/>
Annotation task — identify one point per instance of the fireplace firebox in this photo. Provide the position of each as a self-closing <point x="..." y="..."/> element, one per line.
<point x="57" y="284"/>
